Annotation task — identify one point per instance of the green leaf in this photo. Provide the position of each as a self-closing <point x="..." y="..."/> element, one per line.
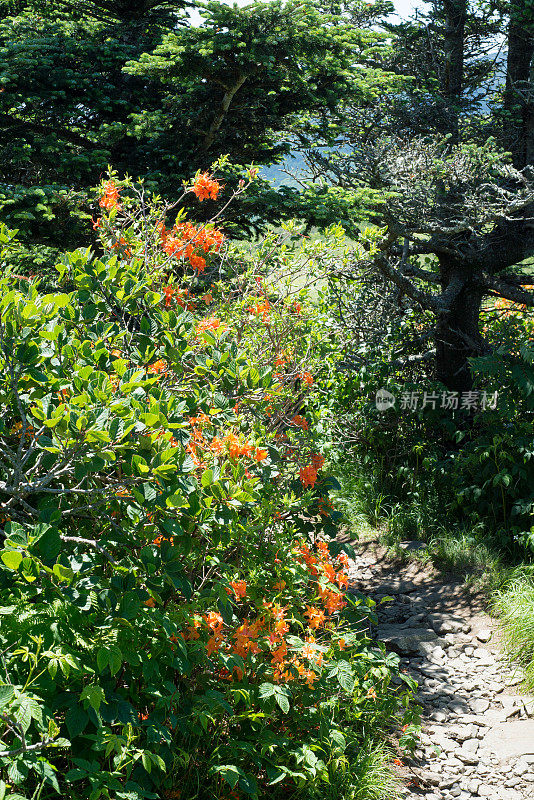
<point x="76" y="720"/>
<point x="12" y="559"/>
<point x="147" y="763"/>
<point x="109" y="656"/>
<point x="267" y="690"/>
<point x="94" y="696"/>
<point x="6" y="695"/>
<point x="207" y="478"/>
<point x="63" y="573"/>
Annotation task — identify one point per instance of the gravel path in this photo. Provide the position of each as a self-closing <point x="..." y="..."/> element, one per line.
<point x="478" y="731"/>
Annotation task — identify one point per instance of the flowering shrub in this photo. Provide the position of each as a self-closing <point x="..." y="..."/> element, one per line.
<point x="174" y="614"/>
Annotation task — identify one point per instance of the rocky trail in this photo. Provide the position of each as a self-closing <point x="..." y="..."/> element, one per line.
<point x="477" y="727"/>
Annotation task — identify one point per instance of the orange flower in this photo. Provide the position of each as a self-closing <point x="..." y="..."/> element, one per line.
<point x="157" y="367"/>
<point x="210" y="324"/>
<point x="110" y="196"/>
<point x="310" y="676"/>
<point x="205" y="187"/>
<point x="198" y="263"/>
<point x="213" y="645"/>
<point x="333" y="602"/>
<point x="214" y="621"/>
<point x="317" y="460"/>
<point x="341" y="643"/>
<point x="308" y="476"/>
<point x="239" y="588"/>
<point x="168" y="292"/>
<point x="279" y="654"/>
<point x="259" y="454"/>
<point x="342" y="580"/>
<point x="216" y="446"/>
<point x="262" y="308"/>
<point x="150" y="603"/>
<point x="306" y="378"/>
<point x="300" y="422"/>
<point x="316" y="617"/>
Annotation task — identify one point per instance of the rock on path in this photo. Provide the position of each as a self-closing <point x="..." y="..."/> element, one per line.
<point x="478" y="731"/>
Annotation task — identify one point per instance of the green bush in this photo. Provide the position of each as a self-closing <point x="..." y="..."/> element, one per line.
<point x="173" y="620"/>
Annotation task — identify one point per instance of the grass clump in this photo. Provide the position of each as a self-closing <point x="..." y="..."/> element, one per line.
<point x="514" y="605"/>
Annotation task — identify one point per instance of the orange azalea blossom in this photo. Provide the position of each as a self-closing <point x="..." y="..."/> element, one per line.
<point x="216" y="446"/>
<point x="300" y="422"/>
<point x="168" y="292"/>
<point x="262" y="308"/>
<point x="110" y="196"/>
<point x="214" y="621"/>
<point x="342" y="580"/>
<point x="308" y="476"/>
<point x="213" y="645"/>
<point x="306" y="378"/>
<point x="184" y="240"/>
<point x="124" y="244"/>
<point x="192" y="630"/>
<point x="341" y="643"/>
<point x="157" y="367"/>
<point x="208" y="298"/>
<point x="239" y="588"/>
<point x="210" y="324"/>
<point x="151" y="603"/>
<point x="198" y="263"/>
<point x="279" y="654"/>
<point x="259" y="454"/>
<point x="201" y="419"/>
<point x="206" y="187"/>
<point x="316" y="617"/>
<point x="330" y="572"/>
<point x="334" y="602"/>
<point x="310" y="677"/>
<point x="317" y="461"/>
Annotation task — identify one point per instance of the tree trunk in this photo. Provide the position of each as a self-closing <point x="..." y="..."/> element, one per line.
<point x="458" y="338"/>
<point x="453" y="68"/>
<point x="518" y="95"/>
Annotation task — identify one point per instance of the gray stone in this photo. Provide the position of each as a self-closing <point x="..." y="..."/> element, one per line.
<point x="433" y="650"/>
<point x="480" y="705"/>
<point x="512" y="739"/>
<point x="444" y="623"/>
<point x="468" y="752"/>
<point x="427" y="776"/>
<point x="406" y="640"/>
<point x="462" y="732"/>
<point x="413" y="545"/>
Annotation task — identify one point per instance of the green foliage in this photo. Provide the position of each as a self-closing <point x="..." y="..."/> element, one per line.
<point x="162" y="623"/>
